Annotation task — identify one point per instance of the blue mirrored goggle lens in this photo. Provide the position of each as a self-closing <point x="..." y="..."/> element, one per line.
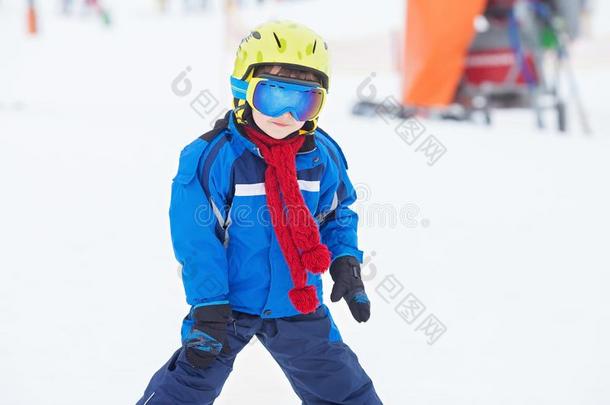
<point x="274" y="99"/>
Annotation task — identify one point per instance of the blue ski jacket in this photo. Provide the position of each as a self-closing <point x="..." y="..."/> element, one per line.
<point x="221" y="229"/>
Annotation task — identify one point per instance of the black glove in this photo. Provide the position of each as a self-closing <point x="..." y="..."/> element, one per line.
<point x="345" y="272"/>
<point x="204" y="333"/>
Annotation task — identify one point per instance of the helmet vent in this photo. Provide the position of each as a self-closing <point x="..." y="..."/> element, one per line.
<point x="279" y="45"/>
<point x="314" y="46"/>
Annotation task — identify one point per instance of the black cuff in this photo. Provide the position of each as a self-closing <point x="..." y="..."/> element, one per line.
<point x="220" y="313"/>
<point x="345" y="266"/>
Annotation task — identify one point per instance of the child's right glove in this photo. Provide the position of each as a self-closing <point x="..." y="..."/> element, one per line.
<point x="204" y="333"/>
<point x="345" y="271"/>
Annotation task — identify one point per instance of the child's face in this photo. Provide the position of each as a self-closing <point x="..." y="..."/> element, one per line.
<point x="284" y="125"/>
<point x="277" y="127"/>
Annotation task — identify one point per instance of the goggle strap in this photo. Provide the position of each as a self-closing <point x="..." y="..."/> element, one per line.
<point x="239" y="88"/>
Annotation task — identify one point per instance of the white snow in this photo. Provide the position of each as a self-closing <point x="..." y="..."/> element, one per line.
<point x="510" y="249"/>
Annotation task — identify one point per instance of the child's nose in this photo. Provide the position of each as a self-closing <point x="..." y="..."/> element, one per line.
<point x="287" y="116"/>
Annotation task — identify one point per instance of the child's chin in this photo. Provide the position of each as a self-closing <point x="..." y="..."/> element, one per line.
<point x="279" y="134"/>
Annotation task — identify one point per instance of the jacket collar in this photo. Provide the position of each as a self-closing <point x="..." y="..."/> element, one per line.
<point x="308" y="145"/>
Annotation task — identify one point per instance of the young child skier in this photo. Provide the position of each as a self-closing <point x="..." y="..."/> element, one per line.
<point x="259" y="210"/>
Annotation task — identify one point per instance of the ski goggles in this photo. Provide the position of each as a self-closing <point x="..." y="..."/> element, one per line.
<point x="273" y="97"/>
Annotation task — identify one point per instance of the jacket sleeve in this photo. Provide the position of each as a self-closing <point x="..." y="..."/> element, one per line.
<point x="196" y="230"/>
<point x="338" y="223"/>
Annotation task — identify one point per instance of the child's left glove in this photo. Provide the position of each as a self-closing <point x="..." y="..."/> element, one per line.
<point x="204" y="333"/>
<point x="345" y="272"/>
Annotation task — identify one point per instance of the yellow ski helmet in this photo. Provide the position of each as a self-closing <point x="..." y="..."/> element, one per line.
<point x="282" y="43"/>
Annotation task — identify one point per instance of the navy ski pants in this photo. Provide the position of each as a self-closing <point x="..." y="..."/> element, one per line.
<point x="321" y="368"/>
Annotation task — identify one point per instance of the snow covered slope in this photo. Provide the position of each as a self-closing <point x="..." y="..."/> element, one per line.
<point x="504" y="239"/>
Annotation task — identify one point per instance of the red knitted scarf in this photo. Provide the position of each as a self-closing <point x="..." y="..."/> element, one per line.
<point x="294" y="226"/>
